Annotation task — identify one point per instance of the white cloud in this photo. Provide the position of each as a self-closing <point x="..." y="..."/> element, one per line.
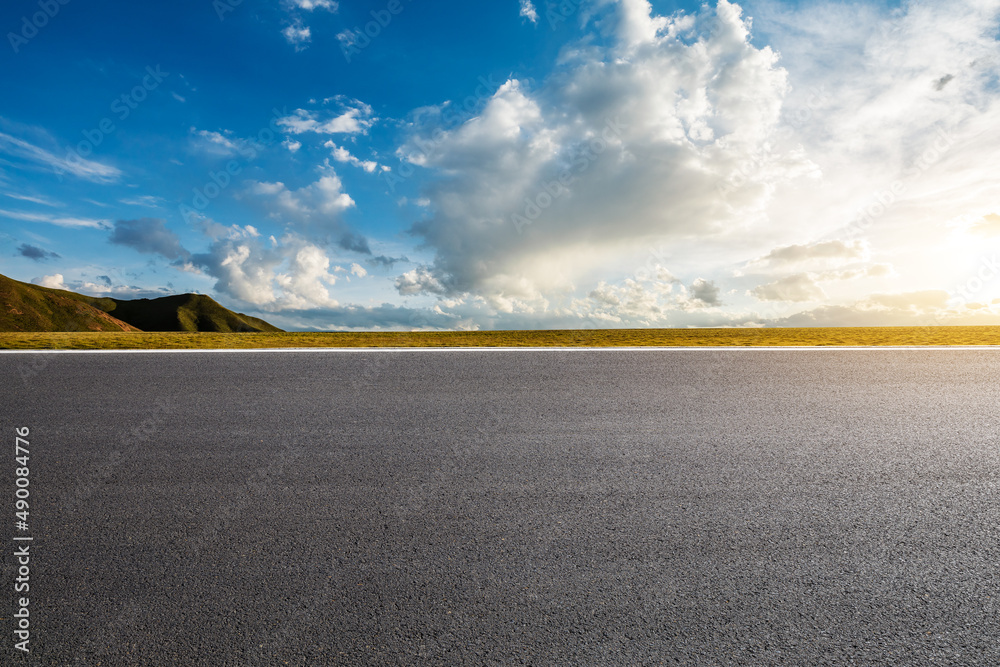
<point x="58" y="281"/>
<point x="55" y="281"/>
<point x="988" y="225"/>
<point x="341" y="154"/>
<point x="822" y="252"/>
<point x="706" y="292"/>
<point x="73" y="163"/>
<point x="323" y="198"/>
<point x="798" y="287"/>
<point x="224" y="144"/>
<point x="418" y="281"/>
<point x="316" y="208"/>
<point x="358" y="270"/>
<point x="291" y="275"/>
<point x="33" y="199"/>
<point x="305" y="282"/>
<point x="678" y="131"/>
<point x="310" y="5"/>
<point x="923" y="301"/>
<point x="643" y="132"/>
<point x="355" y="118"/>
<point x="298" y="35"/>
<point x="920" y="308"/>
<point x="292" y="146"/>
<point x="147" y="201"/>
<point x="61" y="221"/>
<point x="528" y="11"/>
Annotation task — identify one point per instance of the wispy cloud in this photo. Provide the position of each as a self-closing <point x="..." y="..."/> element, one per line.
<point x="147" y="201"/>
<point x="61" y="221"/>
<point x="73" y="164"/>
<point x="34" y="200"/>
<point x="224" y="143"/>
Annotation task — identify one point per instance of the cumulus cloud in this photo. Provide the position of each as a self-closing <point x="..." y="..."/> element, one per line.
<point x="292" y="274"/>
<point x="310" y="5"/>
<point x="386" y="261"/>
<point x="55" y="281"/>
<point x="624" y="143"/>
<point x="341" y="154"/>
<point x="419" y="281"/>
<point x="325" y="196"/>
<point x="385" y="317"/>
<point x="354" y="117"/>
<point x="921" y="301"/>
<point x="104" y="288"/>
<point x="892" y="106"/>
<point x="150" y="236"/>
<point x="798" y="287"/>
<point x="298" y="35"/>
<point x="528" y="11"/>
<point x="633" y="301"/>
<point x="706" y="292"/>
<point x="35" y="253"/>
<point x="920" y="308"/>
<point x="835" y="251"/>
<point x="316" y="207"/>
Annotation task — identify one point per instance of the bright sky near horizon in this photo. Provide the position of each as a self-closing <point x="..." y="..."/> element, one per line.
<point x="402" y="164"/>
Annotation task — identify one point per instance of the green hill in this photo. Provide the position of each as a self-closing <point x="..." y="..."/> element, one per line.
<point x="187" y="312"/>
<point x="27" y="307"/>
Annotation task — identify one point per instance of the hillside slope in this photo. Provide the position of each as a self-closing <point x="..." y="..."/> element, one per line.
<point x="187" y="312"/>
<point x="27" y="307"/>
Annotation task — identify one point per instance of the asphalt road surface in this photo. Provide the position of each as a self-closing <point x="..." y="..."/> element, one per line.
<point x="740" y="507"/>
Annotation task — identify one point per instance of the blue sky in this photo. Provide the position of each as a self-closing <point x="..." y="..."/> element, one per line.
<point x="509" y="164"/>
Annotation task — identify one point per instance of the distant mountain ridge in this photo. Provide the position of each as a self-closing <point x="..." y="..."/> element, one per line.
<point x="27" y="307"/>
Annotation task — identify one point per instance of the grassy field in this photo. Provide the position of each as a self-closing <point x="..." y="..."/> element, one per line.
<point x="846" y="336"/>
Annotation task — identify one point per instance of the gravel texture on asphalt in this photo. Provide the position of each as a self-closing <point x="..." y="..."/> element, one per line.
<point x="702" y="507"/>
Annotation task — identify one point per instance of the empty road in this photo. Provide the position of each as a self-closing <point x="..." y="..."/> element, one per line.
<point x="605" y="507"/>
